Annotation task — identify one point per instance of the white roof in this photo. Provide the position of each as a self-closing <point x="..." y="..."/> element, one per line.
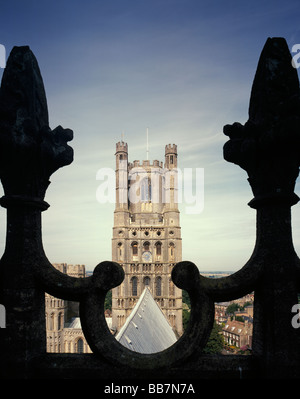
<point x="146" y="330"/>
<point x="75" y="323"/>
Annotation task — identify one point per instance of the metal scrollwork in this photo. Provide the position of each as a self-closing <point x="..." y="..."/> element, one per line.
<point x="267" y="147"/>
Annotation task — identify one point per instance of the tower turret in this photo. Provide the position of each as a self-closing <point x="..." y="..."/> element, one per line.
<point x="171" y="156"/>
<point x="171" y="184"/>
<point x="122" y="149"/>
<point x="121" y="176"/>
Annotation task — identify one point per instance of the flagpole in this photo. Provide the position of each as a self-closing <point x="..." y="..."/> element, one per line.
<point x="147" y="145"/>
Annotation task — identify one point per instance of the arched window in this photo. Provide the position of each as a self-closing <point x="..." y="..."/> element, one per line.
<point x="134" y="247"/>
<point x="158" y="248"/>
<point x="59" y="321"/>
<point x="134" y="282"/>
<point x="146" y="281"/>
<point x="51" y="322"/>
<point x="80" y="345"/>
<point x="146" y="245"/>
<point x="171" y="288"/>
<point x="158" y="286"/>
<point x="171" y="251"/>
<point x="172" y="320"/>
<point x="119" y="250"/>
<point x="146" y="189"/>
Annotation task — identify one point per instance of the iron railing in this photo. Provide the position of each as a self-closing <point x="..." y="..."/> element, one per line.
<point x="267" y="147"/>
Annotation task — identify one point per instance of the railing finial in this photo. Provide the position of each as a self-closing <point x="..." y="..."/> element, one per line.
<point x="29" y="150"/>
<point x="268" y="145"/>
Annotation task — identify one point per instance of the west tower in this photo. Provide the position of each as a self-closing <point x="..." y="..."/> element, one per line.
<point x="146" y="234"/>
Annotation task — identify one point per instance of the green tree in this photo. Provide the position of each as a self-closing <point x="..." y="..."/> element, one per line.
<point x="245" y="305"/>
<point x="232" y="308"/>
<point x="215" y="342"/>
<point x="185" y="318"/>
<point x="186" y="298"/>
<point x="185" y="309"/>
<point x="108" y="300"/>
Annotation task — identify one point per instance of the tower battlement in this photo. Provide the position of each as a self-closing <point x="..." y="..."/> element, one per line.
<point x="145" y="164"/>
<point x="121" y="147"/>
<point x="171" y="149"/>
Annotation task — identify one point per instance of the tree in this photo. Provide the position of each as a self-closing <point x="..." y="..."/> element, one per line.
<point x="232" y="308"/>
<point x="186" y="298"/>
<point x="185" y="318"/>
<point x="108" y="300"/>
<point x="186" y="309"/>
<point x="246" y="304"/>
<point x="215" y="342"/>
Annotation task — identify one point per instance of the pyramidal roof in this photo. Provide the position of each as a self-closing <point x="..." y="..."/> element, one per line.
<point x="146" y="330"/>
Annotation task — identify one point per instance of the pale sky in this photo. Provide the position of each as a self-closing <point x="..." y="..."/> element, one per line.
<point x="183" y="69"/>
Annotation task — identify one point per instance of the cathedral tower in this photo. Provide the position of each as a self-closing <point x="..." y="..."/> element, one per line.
<point x="146" y="234"/>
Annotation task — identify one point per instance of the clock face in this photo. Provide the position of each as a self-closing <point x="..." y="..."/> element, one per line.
<point x="147" y="256"/>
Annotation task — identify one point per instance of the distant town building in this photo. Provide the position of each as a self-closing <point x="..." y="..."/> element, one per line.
<point x="238" y="333"/>
<point x="220" y="312"/>
<point x="237" y="328"/>
<point x="247" y="313"/>
<point x="63" y="329"/>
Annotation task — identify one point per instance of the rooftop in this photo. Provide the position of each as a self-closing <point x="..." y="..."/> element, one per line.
<point x="146" y="330"/>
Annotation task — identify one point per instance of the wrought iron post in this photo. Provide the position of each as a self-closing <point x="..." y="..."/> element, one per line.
<point x="268" y="148"/>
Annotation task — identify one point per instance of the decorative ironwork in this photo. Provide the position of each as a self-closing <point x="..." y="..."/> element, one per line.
<point x="267" y="147"/>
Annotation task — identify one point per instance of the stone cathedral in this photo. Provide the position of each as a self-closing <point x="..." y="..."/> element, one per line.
<point x="146" y="234"/>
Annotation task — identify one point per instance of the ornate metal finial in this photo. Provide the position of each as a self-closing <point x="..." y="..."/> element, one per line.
<point x="29" y="150"/>
<point x="268" y="145"/>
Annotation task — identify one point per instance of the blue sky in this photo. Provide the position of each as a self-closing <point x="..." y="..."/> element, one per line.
<point x="183" y="69"/>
